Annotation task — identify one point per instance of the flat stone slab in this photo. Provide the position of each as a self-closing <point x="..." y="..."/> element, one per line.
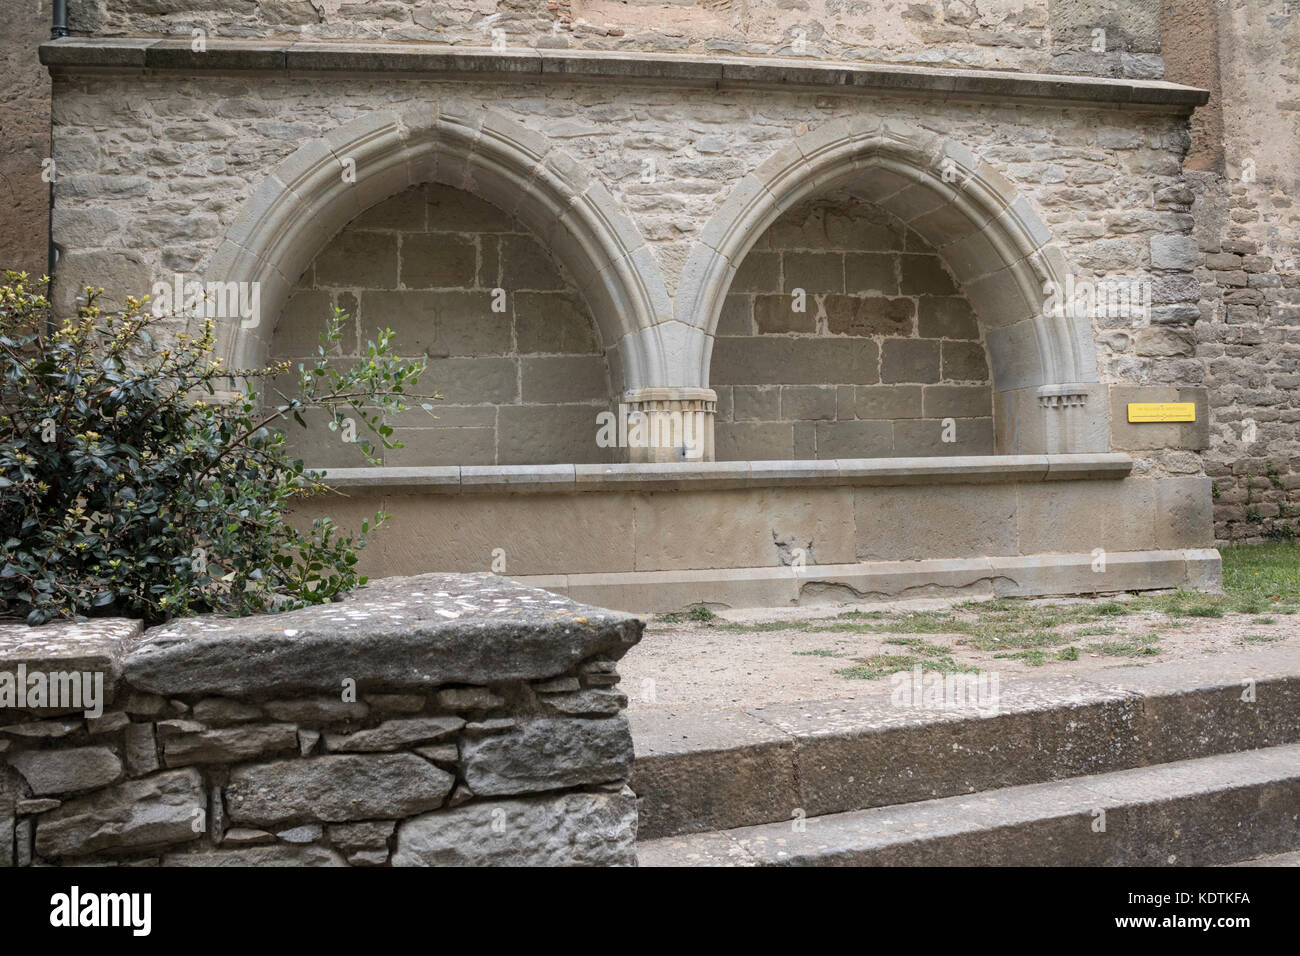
<point x="622" y="65"/>
<point x="95" y="646"/>
<point x="394" y="634"/>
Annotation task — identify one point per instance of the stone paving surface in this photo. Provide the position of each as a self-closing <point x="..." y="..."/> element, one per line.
<point x="689" y="664"/>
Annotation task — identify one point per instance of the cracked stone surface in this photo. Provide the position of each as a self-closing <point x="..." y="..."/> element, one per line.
<point x="398" y="633"/>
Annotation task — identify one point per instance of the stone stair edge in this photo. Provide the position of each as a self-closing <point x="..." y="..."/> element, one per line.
<point x="1132" y="789"/>
<point x="1127" y="683"/>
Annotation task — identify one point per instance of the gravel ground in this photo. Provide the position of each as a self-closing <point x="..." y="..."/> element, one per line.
<point x="730" y="662"/>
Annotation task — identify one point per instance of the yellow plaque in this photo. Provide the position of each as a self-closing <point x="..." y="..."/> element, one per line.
<point x="1162" y="411"/>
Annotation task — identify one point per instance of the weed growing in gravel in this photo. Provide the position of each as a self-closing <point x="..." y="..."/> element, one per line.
<point x="1258" y="580"/>
<point x="1147" y="646"/>
<point x="881" y="665"/>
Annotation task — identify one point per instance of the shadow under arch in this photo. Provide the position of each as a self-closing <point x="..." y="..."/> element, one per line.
<point x="326" y="183"/>
<point x="990" y="236"/>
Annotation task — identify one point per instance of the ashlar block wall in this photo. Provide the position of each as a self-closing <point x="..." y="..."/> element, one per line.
<point x="883" y="351"/>
<point x="510" y="344"/>
<point x="844" y="335"/>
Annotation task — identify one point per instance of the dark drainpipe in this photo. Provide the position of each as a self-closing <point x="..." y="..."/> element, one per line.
<point x="60" y="27"/>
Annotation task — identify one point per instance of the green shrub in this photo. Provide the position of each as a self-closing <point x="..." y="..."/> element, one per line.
<point x="147" y="480"/>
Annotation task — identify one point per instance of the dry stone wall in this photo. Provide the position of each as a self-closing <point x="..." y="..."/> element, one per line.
<point x="433" y="720"/>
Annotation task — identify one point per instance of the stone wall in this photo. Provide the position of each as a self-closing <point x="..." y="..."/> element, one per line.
<point x="1244" y="171"/>
<point x="1037" y="35"/>
<point x="1107" y="183"/>
<point x="434" y="720"/>
<point x="879" y="351"/>
<point x="511" y="346"/>
<point x="24" y="141"/>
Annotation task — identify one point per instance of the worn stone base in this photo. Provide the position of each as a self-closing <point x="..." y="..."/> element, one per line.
<point x="660" y="536"/>
<point x="1035" y="575"/>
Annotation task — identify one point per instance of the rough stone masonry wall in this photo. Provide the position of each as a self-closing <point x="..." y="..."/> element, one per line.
<point x="1038" y="35"/>
<point x="522" y="385"/>
<point x="884" y="350"/>
<point x="486" y="729"/>
<point x="1108" y="183"/>
<point x="1033" y="35"/>
<point x="24" y="140"/>
<point x="1245" y="173"/>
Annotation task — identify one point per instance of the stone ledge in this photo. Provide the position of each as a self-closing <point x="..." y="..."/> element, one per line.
<point x="64" y="647"/>
<point x="706" y="475"/>
<point x="723" y="72"/>
<point x="394" y="633"/>
<point x="1029" y="575"/>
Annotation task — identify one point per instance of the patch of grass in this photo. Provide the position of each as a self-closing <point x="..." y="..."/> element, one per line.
<point x="1134" y="647"/>
<point x="1007" y="639"/>
<point x="1268" y="572"/>
<point x="1258" y="579"/>
<point x="1037" y="658"/>
<point x="1032" y="658"/>
<point x="919" y="646"/>
<point x="698" y="614"/>
<point x="877" y="666"/>
<point x="1111" y="609"/>
<point x="1264" y="620"/>
<point x="1262" y="638"/>
<point x="818" y="653"/>
<point x="919" y="622"/>
<point x="760" y="627"/>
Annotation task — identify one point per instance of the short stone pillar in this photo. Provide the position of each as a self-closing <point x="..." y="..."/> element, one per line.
<point x="443" y="719"/>
<point x="669" y="424"/>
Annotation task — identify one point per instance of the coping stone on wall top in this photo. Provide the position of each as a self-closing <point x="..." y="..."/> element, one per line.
<point x="394" y="634"/>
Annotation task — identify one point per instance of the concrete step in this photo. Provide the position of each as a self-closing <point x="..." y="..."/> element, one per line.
<point x="703" y="769"/>
<point x="1193" y="813"/>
